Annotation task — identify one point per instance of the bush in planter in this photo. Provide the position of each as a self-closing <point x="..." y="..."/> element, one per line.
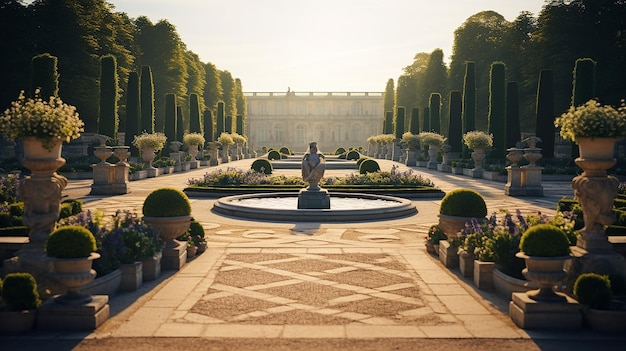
<point x="593" y="290"/>
<point x="19" y="292"/>
<point x="463" y="203"/>
<point x="353" y="155"/>
<point x="71" y="242"/>
<point x="262" y="165"/>
<point x="544" y="240"/>
<point x="166" y="202"/>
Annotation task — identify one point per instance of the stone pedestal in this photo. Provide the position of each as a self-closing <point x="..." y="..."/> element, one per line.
<point x="466" y="264"/>
<point x="85" y="317"/>
<point x="445" y="168"/>
<point x="530" y="314"/>
<point x="513" y="186"/>
<point x="313" y="199"/>
<point x="151" y="267"/>
<point x="132" y="276"/>
<point x="174" y="256"/>
<point x="103" y="175"/>
<point x="531" y="180"/>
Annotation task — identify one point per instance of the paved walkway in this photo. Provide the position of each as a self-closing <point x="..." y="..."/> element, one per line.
<point x="299" y="286"/>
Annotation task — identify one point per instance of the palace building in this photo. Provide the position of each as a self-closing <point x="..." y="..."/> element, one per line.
<point x="294" y="119"/>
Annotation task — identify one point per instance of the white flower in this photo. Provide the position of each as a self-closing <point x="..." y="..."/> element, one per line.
<point x="592" y="120"/>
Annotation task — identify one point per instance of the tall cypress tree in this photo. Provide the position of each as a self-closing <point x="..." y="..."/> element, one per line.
<point x="496" y="120"/>
<point x="220" y="119"/>
<point x="544" y="115"/>
<point x="108" y="119"/>
<point x="170" y="117"/>
<point x="180" y="125"/>
<point x="228" y="124"/>
<point x="455" y="135"/>
<point x="133" y="115"/>
<point x="426" y="119"/>
<point x="194" y="114"/>
<point x="434" y="106"/>
<point x="414" y="126"/>
<point x="584" y="87"/>
<point x="399" y="122"/>
<point x="513" y="130"/>
<point x="388" y="123"/>
<point x="44" y="75"/>
<point x="239" y="125"/>
<point x="469" y="101"/>
<point x="147" y="100"/>
<point x="209" y="134"/>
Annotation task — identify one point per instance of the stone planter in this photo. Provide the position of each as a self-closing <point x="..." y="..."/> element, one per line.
<point x="448" y="254"/>
<point x="151" y="267"/>
<point x="466" y="264"/>
<point x="452" y="225"/>
<point x="606" y="321"/>
<point x="132" y="276"/>
<point x="506" y="285"/>
<point x="191" y="251"/>
<point x="430" y="248"/>
<point x="72" y="273"/>
<point x="106" y="285"/>
<point x="546" y="272"/>
<point x="143" y="174"/>
<point x="483" y="274"/>
<point x="15" y="322"/>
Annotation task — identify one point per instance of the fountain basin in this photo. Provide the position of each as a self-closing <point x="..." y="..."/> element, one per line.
<point x="344" y="207"/>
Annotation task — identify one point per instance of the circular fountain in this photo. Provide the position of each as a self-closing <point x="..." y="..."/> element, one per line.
<point x="314" y="204"/>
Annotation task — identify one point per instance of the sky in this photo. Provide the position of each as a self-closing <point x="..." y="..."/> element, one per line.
<point x="317" y="45"/>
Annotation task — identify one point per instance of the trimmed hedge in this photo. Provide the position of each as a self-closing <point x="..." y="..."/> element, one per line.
<point x="369" y="166"/>
<point x="262" y="165"/>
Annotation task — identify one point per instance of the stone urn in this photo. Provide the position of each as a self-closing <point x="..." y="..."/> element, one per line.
<point x="169" y="228"/>
<point x="547" y="272"/>
<point x="478" y="155"/>
<point x="103" y="152"/>
<point x="148" y="155"/>
<point x="193" y="151"/>
<point x="73" y="273"/>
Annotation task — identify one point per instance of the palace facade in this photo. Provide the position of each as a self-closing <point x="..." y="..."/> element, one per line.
<point x="332" y="119"/>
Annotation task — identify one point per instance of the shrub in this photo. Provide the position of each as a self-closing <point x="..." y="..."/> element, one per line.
<point x="19" y="292"/>
<point x="285" y="150"/>
<point x="463" y="203"/>
<point x="339" y="151"/>
<point x="196" y="232"/>
<point x="273" y="155"/>
<point x="193" y="139"/>
<point x="16" y="209"/>
<point x="262" y="165"/>
<point x="435" y="234"/>
<point x="166" y="202"/>
<point x="71" y="242"/>
<point x="593" y="290"/>
<point x="369" y="166"/>
<point x="70" y="208"/>
<point x="544" y="240"/>
<point x="353" y="155"/>
<point x="361" y="159"/>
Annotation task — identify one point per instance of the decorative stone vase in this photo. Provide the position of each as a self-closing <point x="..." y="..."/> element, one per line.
<point x="411" y="157"/>
<point x="433" y="151"/>
<point x="193" y="151"/>
<point x="547" y="272"/>
<point x="103" y="152"/>
<point x="514" y="155"/>
<point x="73" y="273"/>
<point x="479" y="158"/>
<point x="596" y="155"/>
<point x="15" y="322"/>
<point x="148" y="155"/>
<point x="122" y="153"/>
<point x="169" y="228"/>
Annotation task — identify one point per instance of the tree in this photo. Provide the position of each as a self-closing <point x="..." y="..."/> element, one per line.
<point x="469" y="102"/>
<point x="389" y="98"/>
<point x="545" y="112"/>
<point x="513" y="131"/>
<point x="455" y="135"/>
<point x="209" y="126"/>
<point x="414" y="126"/>
<point x="133" y="111"/>
<point x="405" y="93"/>
<point x="44" y="75"/>
<point x="426" y="120"/>
<point x="221" y="119"/>
<point x="213" y="88"/>
<point x="194" y="114"/>
<point x="399" y="122"/>
<point x="435" y="78"/>
<point x="146" y="90"/>
<point x="229" y="96"/>
<point x="171" y="119"/>
<point x="388" y="126"/>
<point x="108" y="120"/>
<point x="434" y="108"/>
<point x="497" y="109"/>
<point x="240" y="103"/>
<point x="584" y="87"/>
<point x="180" y="124"/>
<point x="196" y="77"/>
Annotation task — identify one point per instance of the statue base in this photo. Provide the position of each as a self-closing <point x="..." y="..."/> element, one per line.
<point x="313" y="199"/>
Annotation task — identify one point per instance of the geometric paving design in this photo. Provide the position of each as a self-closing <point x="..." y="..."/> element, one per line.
<point x="316" y="289"/>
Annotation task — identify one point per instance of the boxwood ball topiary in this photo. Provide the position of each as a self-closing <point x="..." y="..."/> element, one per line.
<point x="353" y="155"/>
<point x="593" y="290"/>
<point x="262" y="165"/>
<point x="544" y="240"/>
<point x="463" y="203"/>
<point x="71" y="242"/>
<point x="273" y="155"/>
<point x="339" y="151"/>
<point x="360" y="160"/>
<point x="166" y="202"/>
<point x="285" y="150"/>
<point x="369" y="166"/>
<point x="19" y="292"/>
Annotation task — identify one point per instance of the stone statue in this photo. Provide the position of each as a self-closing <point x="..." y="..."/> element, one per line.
<point x="313" y="166"/>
